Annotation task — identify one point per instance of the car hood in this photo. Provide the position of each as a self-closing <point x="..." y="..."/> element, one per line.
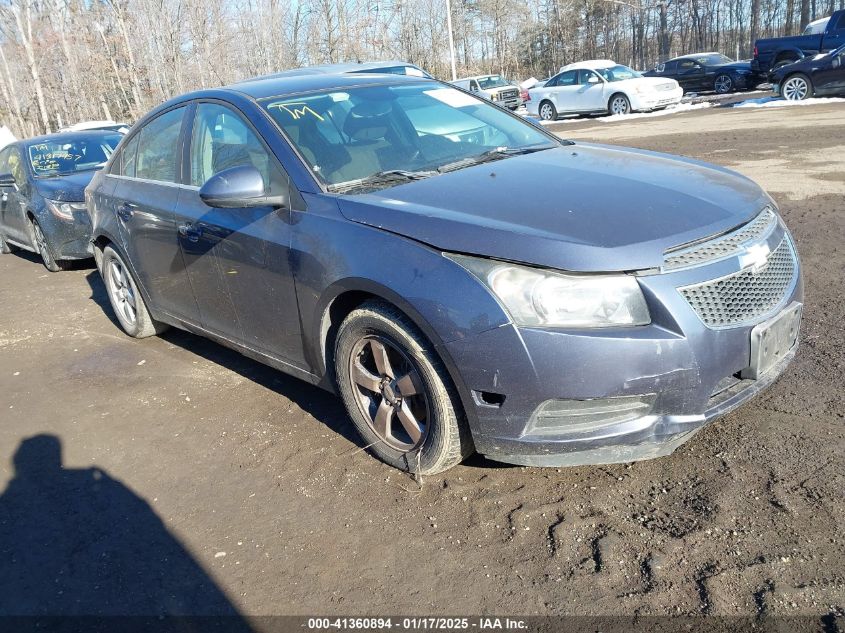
<point x="582" y="207"/>
<point x="69" y="188"/>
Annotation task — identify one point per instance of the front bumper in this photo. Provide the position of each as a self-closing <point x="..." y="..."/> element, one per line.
<point x="68" y="239"/>
<point x="692" y="374"/>
<point x="661" y="99"/>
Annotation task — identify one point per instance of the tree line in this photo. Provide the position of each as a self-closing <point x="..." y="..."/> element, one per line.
<point x="64" y="61"/>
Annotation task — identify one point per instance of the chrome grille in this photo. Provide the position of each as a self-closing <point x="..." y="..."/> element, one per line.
<point x="509" y="94"/>
<point x="724" y="246"/>
<point x="746" y="295"/>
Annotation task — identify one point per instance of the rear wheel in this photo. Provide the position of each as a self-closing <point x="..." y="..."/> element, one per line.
<point x="797" y="88"/>
<point x="723" y="84"/>
<point x="397" y="391"/>
<point x="548" y="112"/>
<point x="619" y="104"/>
<point x="126" y="301"/>
<point x="39" y="241"/>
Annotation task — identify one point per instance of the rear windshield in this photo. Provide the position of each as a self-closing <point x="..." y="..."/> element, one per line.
<point x="61" y="157"/>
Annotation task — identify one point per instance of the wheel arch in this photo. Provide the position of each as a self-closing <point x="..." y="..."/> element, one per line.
<point x="344" y="296"/>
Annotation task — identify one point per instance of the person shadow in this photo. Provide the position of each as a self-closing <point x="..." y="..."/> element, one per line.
<point x="78" y="542"/>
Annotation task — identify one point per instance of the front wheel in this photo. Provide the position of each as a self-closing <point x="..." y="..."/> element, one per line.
<point x="619" y="104"/>
<point x="548" y="112"/>
<point x="39" y="241"/>
<point x="397" y="392"/>
<point x="723" y="84"/>
<point x="797" y="88"/>
<point x="126" y="301"/>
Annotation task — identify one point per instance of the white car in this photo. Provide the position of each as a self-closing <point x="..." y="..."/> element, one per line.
<point x="599" y="86"/>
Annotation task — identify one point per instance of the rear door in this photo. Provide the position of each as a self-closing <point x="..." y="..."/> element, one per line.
<point x="564" y="94"/>
<point x="144" y="199"/>
<point x="238" y="260"/>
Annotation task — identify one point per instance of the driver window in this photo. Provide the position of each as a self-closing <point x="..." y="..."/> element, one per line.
<point x="473" y="85"/>
<point x="222" y="140"/>
<point x="15" y="166"/>
<point x="4" y="160"/>
<point x="584" y="77"/>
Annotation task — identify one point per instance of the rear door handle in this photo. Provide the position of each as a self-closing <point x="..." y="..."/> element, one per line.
<point x="125" y="211"/>
<point x="190" y="232"/>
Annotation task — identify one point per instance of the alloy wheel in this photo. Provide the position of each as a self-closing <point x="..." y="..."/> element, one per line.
<point x="619" y="105"/>
<point x="795" y="89"/>
<point x="723" y="84"/>
<point x="546" y="112"/>
<point x="390" y="393"/>
<point x="41" y="242"/>
<point x="122" y="292"/>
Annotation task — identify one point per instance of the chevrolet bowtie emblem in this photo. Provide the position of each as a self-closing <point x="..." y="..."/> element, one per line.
<point x="755" y="256"/>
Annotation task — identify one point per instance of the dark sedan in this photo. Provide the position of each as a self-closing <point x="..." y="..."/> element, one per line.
<point x="42" y="193"/>
<point x="705" y="72"/>
<point x="492" y="289"/>
<point x="818" y="76"/>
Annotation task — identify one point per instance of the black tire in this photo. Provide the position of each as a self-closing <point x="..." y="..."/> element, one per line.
<point x="783" y="62"/>
<point x="121" y="284"/>
<point x="618" y="104"/>
<point x="797" y="87"/>
<point x="445" y="441"/>
<point x="42" y="247"/>
<point x="723" y="84"/>
<point x="5" y="247"/>
<point x="547" y="111"/>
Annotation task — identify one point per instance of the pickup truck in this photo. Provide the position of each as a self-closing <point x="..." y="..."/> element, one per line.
<point x="770" y="54"/>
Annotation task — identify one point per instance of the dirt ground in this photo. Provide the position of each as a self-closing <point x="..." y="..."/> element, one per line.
<point x="195" y="480"/>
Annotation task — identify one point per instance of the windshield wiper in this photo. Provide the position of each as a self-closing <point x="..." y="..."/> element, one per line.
<point x="381" y="178"/>
<point x="490" y="155"/>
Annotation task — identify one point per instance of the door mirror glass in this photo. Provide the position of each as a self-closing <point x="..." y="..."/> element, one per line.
<point x="237" y="188"/>
<point x="592" y="79"/>
<point x="7" y="180"/>
<point x="836" y="62"/>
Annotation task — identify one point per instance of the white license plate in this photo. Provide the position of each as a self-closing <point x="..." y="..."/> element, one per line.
<point x="772" y="340"/>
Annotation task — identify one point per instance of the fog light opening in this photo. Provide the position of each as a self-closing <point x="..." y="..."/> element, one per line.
<point x="583" y="416"/>
<point x="488" y="399"/>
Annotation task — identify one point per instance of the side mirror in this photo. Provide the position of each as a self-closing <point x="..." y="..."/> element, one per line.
<point x="592" y="79"/>
<point x="836" y="62"/>
<point x="239" y="187"/>
<point x="7" y="180"/>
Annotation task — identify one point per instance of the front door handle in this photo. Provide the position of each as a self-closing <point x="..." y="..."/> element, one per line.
<point x="190" y="232"/>
<point x="125" y="211"/>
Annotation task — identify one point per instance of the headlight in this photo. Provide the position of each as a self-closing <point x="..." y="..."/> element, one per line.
<point x="537" y="297"/>
<point x="64" y="210"/>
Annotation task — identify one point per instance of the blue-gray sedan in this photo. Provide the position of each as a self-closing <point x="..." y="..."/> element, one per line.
<point x="463" y="279"/>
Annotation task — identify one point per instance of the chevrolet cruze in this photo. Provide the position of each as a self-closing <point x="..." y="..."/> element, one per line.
<point x="493" y="289"/>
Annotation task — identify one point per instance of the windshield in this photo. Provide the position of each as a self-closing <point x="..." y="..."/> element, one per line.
<point x="714" y="60"/>
<point x="493" y="81"/>
<point x="367" y="132"/>
<point x="64" y="156"/>
<point x="618" y="73"/>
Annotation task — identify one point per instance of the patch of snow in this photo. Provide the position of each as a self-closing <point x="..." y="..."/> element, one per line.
<point x="778" y="102"/>
<point x="6" y="136"/>
<point x="615" y="118"/>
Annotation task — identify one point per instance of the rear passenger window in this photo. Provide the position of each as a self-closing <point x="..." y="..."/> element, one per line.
<point x="125" y="163"/>
<point x="158" y="155"/>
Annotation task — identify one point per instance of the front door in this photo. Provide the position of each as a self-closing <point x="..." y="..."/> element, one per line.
<point x="831" y="78"/>
<point x="144" y="199"/>
<point x="691" y="75"/>
<point x="13" y="222"/>
<point x="238" y="259"/>
<point x="591" y="91"/>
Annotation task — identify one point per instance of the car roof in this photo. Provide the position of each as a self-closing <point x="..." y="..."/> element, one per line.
<point x="66" y="136"/>
<point x="696" y="55"/>
<point x="590" y="63"/>
<point x="332" y="69"/>
<point x="291" y="84"/>
<point x="478" y="77"/>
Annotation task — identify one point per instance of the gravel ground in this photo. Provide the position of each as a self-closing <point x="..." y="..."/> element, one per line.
<point x="193" y="480"/>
